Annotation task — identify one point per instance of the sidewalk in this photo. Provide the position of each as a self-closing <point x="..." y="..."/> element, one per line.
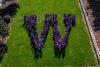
<point x="93" y="37"/>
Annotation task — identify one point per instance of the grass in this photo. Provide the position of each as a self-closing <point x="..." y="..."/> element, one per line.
<point x="78" y="51"/>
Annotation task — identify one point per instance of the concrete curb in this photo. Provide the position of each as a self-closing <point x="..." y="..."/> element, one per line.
<point x="94" y="43"/>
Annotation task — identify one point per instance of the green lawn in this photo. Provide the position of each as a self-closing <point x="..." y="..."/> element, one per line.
<point x="78" y="51"/>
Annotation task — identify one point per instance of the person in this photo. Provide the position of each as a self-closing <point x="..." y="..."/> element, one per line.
<point x="73" y="21"/>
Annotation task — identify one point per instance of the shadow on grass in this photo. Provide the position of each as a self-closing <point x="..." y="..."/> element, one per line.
<point x="59" y="54"/>
<point x="3" y="50"/>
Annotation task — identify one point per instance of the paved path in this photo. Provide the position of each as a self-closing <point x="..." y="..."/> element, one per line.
<point x="93" y="35"/>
